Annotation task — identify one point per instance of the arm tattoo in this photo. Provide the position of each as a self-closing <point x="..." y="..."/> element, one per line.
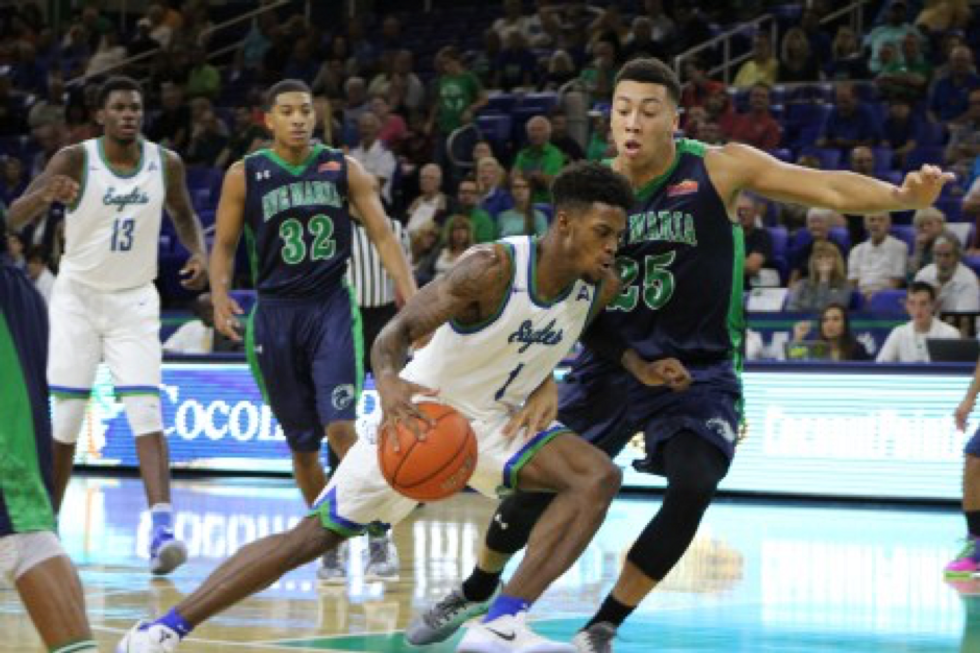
<point x="477" y="280"/>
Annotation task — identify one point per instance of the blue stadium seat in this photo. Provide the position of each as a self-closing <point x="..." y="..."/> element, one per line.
<point x="905" y="233"/>
<point x="495" y="127"/>
<point x="924" y="154"/>
<point x="500" y="102"/>
<point x="952" y="207"/>
<point x="890" y="301"/>
<point x="803" y="123"/>
<point x="930" y="134"/>
<point x="204" y="185"/>
<point x="883" y="160"/>
<point x="972" y="262"/>
<point x="783" y="154"/>
<point x="544" y="101"/>
<point x="547" y="209"/>
<point x="841" y="237"/>
<point x="780" y="239"/>
<point x="830" y="157"/>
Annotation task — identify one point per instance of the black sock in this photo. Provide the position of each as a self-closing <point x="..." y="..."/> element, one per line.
<point x="481" y="585"/>
<point x="612" y="611"/>
<point x="973" y="522"/>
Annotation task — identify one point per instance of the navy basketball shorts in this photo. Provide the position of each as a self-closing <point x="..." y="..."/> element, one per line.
<point x="607" y="406"/>
<point x="972" y="447"/>
<point x="306" y="355"/>
<point x="592" y="403"/>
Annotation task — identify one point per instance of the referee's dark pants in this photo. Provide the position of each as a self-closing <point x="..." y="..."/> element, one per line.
<point x="373" y="319"/>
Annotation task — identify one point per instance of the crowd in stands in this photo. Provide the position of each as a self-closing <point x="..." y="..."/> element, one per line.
<point x="466" y="119"/>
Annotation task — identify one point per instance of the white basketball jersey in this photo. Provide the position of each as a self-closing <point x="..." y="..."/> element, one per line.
<point x="483" y="370"/>
<point x="113" y="231"/>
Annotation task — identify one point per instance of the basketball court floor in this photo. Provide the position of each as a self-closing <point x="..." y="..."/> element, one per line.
<point x="761" y="577"/>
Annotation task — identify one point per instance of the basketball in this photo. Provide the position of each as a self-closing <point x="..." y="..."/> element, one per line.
<point x="431" y="469"/>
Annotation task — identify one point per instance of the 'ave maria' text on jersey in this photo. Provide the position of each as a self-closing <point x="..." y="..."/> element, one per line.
<point x="681" y="264"/>
<point x="296" y="222"/>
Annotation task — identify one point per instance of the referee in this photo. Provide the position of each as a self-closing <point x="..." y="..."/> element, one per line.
<point x="373" y="288"/>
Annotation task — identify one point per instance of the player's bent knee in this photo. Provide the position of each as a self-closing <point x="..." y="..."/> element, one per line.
<point x="69" y="414"/>
<point x="33" y="549"/>
<point x="143" y="412"/>
<point x="607" y="480"/>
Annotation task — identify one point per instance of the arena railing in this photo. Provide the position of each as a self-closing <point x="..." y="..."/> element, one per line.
<point x="126" y="63"/>
<point x="767" y="21"/>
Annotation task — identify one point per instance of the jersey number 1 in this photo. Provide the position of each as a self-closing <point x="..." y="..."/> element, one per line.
<point x="294" y="245"/>
<point x="122" y="234"/>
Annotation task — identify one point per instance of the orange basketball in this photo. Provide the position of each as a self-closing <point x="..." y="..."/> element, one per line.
<point x="431" y="469"/>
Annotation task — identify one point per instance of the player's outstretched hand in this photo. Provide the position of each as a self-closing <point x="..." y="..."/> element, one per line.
<point x="60" y="188"/>
<point x="963" y="413"/>
<point x="226" y="312"/>
<point x="538" y="412"/>
<point x="195" y="272"/>
<point x="397" y="407"/>
<point x="922" y="187"/>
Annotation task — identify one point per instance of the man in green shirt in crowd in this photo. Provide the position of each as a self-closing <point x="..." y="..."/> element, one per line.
<point x="468" y="198"/>
<point x="460" y="96"/>
<point x="540" y="161"/>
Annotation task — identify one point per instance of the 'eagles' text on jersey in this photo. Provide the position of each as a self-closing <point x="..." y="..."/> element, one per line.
<point x="489" y="368"/>
<point x="112" y="232"/>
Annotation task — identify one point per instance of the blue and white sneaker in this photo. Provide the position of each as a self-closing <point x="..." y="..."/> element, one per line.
<point x="148" y="637"/>
<point x="166" y="552"/>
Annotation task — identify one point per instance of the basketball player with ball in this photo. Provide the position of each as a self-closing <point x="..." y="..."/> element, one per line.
<point x="501" y="320"/>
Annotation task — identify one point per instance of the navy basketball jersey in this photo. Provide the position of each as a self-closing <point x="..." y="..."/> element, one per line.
<point x="296" y="222"/>
<point x="681" y="262"/>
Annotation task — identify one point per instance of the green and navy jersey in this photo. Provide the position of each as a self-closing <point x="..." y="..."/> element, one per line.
<point x="297" y="222"/>
<point x="25" y="429"/>
<point x="681" y="261"/>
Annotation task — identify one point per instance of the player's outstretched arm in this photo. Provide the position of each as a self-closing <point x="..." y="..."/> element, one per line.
<point x="604" y="339"/>
<point x="228" y="230"/>
<point x="58" y="183"/>
<point x="471" y="289"/>
<point x="735" y="167"/>
<point x="363" y="195"/>
<point x="186" y="222"/>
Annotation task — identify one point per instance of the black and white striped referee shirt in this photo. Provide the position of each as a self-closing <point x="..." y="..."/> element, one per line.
<point x="372" y="285"/>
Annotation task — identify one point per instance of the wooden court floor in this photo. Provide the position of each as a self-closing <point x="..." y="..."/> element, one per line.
<point x="759" y="577"/>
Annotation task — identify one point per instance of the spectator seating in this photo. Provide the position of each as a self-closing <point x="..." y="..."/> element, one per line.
<point x="891" y="301"/>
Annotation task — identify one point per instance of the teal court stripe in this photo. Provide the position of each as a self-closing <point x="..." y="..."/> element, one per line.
<point x="681" y="630"/>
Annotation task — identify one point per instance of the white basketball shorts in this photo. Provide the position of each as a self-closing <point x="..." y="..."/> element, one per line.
<point x="89" y="326"/>
<point x="358" y="493"/>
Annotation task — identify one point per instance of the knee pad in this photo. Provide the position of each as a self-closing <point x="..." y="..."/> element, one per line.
<point x="514" y="519"/>
<point x="143" y="413"/>
<point x="69" y="414"/>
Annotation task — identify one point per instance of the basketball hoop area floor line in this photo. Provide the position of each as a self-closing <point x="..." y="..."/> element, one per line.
<point x="785" y="578"/>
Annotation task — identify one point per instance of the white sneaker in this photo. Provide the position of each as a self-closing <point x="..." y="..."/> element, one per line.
<point x="508" y="634"/>
<point x="333" y="567"/>
<point x="382" y="560"/>
<point x="146" y="637"/>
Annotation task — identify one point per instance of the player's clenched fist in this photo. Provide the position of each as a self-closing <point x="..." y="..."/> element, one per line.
<point x="61" y="188"/>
